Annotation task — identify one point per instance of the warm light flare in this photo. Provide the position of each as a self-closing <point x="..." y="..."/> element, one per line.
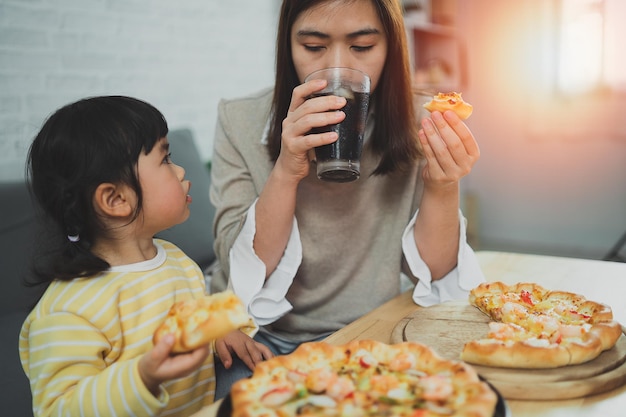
<point x="580" y="46"/>
<point x="615" y="58"/>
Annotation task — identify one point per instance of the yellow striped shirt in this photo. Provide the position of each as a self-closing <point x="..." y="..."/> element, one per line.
<point x="81" y="344"/>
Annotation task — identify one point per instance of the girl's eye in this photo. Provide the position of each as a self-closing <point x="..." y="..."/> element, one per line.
<point x="362" y="48"/>
<point x="168" y="158"/>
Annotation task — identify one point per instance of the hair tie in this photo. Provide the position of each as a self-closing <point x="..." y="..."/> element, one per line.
<point x="73" y="238"/>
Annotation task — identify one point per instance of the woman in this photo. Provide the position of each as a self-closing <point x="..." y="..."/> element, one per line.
<point x="309" y="256"/>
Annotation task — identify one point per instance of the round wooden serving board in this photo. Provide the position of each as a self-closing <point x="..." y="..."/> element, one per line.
<point x="448" y="326"/>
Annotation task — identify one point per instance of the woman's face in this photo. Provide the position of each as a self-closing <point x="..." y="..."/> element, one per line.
<point x="337" y="33"/>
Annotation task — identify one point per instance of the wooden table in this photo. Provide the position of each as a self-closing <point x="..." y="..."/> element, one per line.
<point x="597" y="280"/>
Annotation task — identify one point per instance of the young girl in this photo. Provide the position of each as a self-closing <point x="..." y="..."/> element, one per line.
<point x="101" y="171"/>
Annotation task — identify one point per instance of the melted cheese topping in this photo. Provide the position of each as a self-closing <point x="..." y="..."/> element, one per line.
<point x="361" y="384"/>
<point x="524" y="316"/>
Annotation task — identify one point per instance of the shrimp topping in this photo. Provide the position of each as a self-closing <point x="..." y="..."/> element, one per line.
<point x="319" y="379"/>
<point x="402" y="362"/>
<point x="436" y="388"/>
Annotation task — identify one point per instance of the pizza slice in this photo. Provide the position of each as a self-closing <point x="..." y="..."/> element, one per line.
<point x="537" y="328"/>
<point x="450" y="101"/>
<point x="197" y="322"/>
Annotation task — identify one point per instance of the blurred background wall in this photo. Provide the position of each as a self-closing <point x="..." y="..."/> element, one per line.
<point x="552" y="173"/>
<point x="181" y="56"/>
<point x="551" y="183"/>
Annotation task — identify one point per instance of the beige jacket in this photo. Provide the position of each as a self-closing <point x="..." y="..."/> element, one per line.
<point x="350" y="233"/>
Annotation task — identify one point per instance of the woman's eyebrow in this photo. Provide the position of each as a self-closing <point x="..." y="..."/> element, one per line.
<point x="312" y="33"/>
<point x="316" y="33"/>
<point x="363" y="32"/>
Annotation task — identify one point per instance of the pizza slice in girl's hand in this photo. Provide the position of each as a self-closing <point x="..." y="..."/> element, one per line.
<point x="197" y="322"/>
<point x="450" y="101"/>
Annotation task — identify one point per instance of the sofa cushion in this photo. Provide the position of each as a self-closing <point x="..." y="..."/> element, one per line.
<point x="17" y="233"/>
<point x="15" y="395"/>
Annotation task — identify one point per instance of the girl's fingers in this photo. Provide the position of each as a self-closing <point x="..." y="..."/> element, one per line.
<point x="162" y="350"/>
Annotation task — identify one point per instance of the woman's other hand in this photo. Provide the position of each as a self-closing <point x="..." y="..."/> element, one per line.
<point x="449" y="147"/>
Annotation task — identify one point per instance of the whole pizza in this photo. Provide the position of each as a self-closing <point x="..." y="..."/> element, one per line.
<point x="533" y="327"/>
<point x="362" y="378"/>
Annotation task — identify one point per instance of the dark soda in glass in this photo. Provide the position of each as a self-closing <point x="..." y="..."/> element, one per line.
<point x="346" y="151"/>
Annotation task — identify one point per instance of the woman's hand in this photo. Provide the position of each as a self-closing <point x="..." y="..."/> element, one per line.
<point x="449" y="147"/>
<point x="451" y="152"/>
<point x="159" y="365"/>
<point x="305" y="114"/>
<point x="247" y="349"/>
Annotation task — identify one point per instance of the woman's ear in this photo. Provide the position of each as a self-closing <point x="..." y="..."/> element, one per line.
<point x="114" y="200"/>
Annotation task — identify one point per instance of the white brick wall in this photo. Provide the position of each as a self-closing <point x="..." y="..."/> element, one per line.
<point x="182" y="56"/>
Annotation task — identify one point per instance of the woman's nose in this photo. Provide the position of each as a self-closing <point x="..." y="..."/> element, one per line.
<point x="338" y="58"/>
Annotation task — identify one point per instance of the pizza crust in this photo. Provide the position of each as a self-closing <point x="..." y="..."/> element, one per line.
<point x="197" y="322"/>
<point x="517" y="355"/>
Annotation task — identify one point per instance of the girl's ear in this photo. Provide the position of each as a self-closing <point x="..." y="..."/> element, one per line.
<point x="114" y="200"/>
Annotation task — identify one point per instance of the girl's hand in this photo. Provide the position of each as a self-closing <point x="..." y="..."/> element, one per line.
<point x="449" y="147"/>
<point x="158" y="365"/>
<point x="304" y="114"/>
<point x="247" y="349"/>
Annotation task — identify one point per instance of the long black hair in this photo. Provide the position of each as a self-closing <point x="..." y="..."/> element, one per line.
<point x="82" y="145"/>
<point x="395" y="131"/>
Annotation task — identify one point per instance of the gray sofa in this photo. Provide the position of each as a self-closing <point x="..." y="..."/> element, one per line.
<point x="17" y="232"/>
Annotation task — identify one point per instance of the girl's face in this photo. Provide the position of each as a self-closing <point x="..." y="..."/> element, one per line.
<point x="339" y="34"/>
<point x="165" y="191"/>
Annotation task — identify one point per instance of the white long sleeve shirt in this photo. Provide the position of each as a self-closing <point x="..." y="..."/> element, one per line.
<point x="266" y="299"/>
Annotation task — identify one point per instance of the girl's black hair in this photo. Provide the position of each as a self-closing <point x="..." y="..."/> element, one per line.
<point x="82" y="145"/>
<point x="395" y="131"/>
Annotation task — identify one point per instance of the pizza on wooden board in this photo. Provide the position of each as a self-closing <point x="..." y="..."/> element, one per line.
<point x="536" y="328"/>
<point x="197" y="322"/>
<point x="362" y="378"/>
